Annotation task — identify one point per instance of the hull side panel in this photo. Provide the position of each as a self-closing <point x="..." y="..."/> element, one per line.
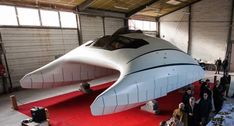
<point x="65" y="74"/>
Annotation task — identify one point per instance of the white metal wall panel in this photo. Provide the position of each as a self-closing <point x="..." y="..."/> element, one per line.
<point x="29" y="48"/>
<point x="210" y="19"/>
<point x="112" y="24"/>
<point x="91" y="27"/>
<point x="209" y="41"/>
<point x="211" y="10"/>
<point x="209" y="29"/>
<point x="174" y="28"/>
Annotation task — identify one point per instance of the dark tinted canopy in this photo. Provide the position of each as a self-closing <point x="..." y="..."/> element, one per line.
<point x="118" y="42"/>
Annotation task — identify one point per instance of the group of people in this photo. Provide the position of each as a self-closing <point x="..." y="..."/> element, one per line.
<point x="221" y="65"/>
<point x="196" y="113"/>
<point x="224" y="66"/>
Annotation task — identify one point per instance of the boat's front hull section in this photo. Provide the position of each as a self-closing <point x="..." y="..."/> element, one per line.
<point x="140" y="87"/>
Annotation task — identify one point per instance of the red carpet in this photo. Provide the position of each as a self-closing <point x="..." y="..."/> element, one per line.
<point x="72" y="109"/>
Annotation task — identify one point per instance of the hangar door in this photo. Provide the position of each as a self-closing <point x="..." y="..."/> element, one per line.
<point x="93" y="27"/>
<point x="30" y="48"/>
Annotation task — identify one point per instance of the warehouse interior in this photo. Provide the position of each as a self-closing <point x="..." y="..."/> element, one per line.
<point x="34" y="33"/>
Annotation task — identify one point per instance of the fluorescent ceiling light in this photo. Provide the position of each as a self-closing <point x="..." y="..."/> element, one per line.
<point x="119" y="7"/>
<point x="173" y="2"/>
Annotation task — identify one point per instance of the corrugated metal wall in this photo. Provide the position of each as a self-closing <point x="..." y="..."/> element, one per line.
<point x="210" y="19"/>
<point x="209" y="29"/>
<point x="174" y="28"/>
<point x="112" y="24"/>
<point x="30" y="48"/>
<point x="91" y="27"/>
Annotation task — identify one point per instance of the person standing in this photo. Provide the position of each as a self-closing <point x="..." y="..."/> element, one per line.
<point x="180" y="114"/>
<point x="218" y="97"/>
<point x="225" y="83"/>
<point x="204" y="109"/>
<point x="205" y="87"/>
<point x="192" y="112"/>
<point x="218" y="64"/>
<point x="228" y="84"/>
<point x="187" y="95"/>
<point x="225" y="65"/>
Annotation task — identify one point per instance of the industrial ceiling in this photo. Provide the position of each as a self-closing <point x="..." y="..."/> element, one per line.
<point x="147" y="8"/>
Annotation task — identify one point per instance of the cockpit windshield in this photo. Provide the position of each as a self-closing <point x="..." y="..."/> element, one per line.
<point x="118" y="42"/>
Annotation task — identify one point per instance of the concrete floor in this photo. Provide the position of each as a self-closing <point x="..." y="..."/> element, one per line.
<point x="9" y="117"/>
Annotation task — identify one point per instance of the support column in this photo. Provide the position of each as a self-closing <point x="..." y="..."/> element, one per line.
<point x="17" y="17"/>
<point x="60" y="23"/>
<point x="189" y="49"/>
<point x="125" y="21"/>
<point x="158" y="27"/>
<point x="103" y="23"/>
<point x="229" y="38"/>
<point x="79" y="33"/>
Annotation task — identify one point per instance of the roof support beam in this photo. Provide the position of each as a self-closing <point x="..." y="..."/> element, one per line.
<point x="84" y="5"/>
<point x="37" y="5"/>
<point x="101" y="13"/>
<point x="132" y="12"/>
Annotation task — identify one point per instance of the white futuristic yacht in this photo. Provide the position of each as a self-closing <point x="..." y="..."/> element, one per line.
<point x="148" y="68"/>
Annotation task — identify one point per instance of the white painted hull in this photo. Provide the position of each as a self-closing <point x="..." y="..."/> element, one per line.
<point x="145" y="73"/>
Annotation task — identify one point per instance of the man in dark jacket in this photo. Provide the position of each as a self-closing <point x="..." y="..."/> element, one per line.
<point x="217" y="97"/>
<point x="205" y="88"/>
<point x="218" y="64"/>
<point x="204" y="110"/>
<point x="202" y="88"/>
<point x="225" y="84"/>
<point x="187" y="95"/>
<point x="225" y="65"/>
